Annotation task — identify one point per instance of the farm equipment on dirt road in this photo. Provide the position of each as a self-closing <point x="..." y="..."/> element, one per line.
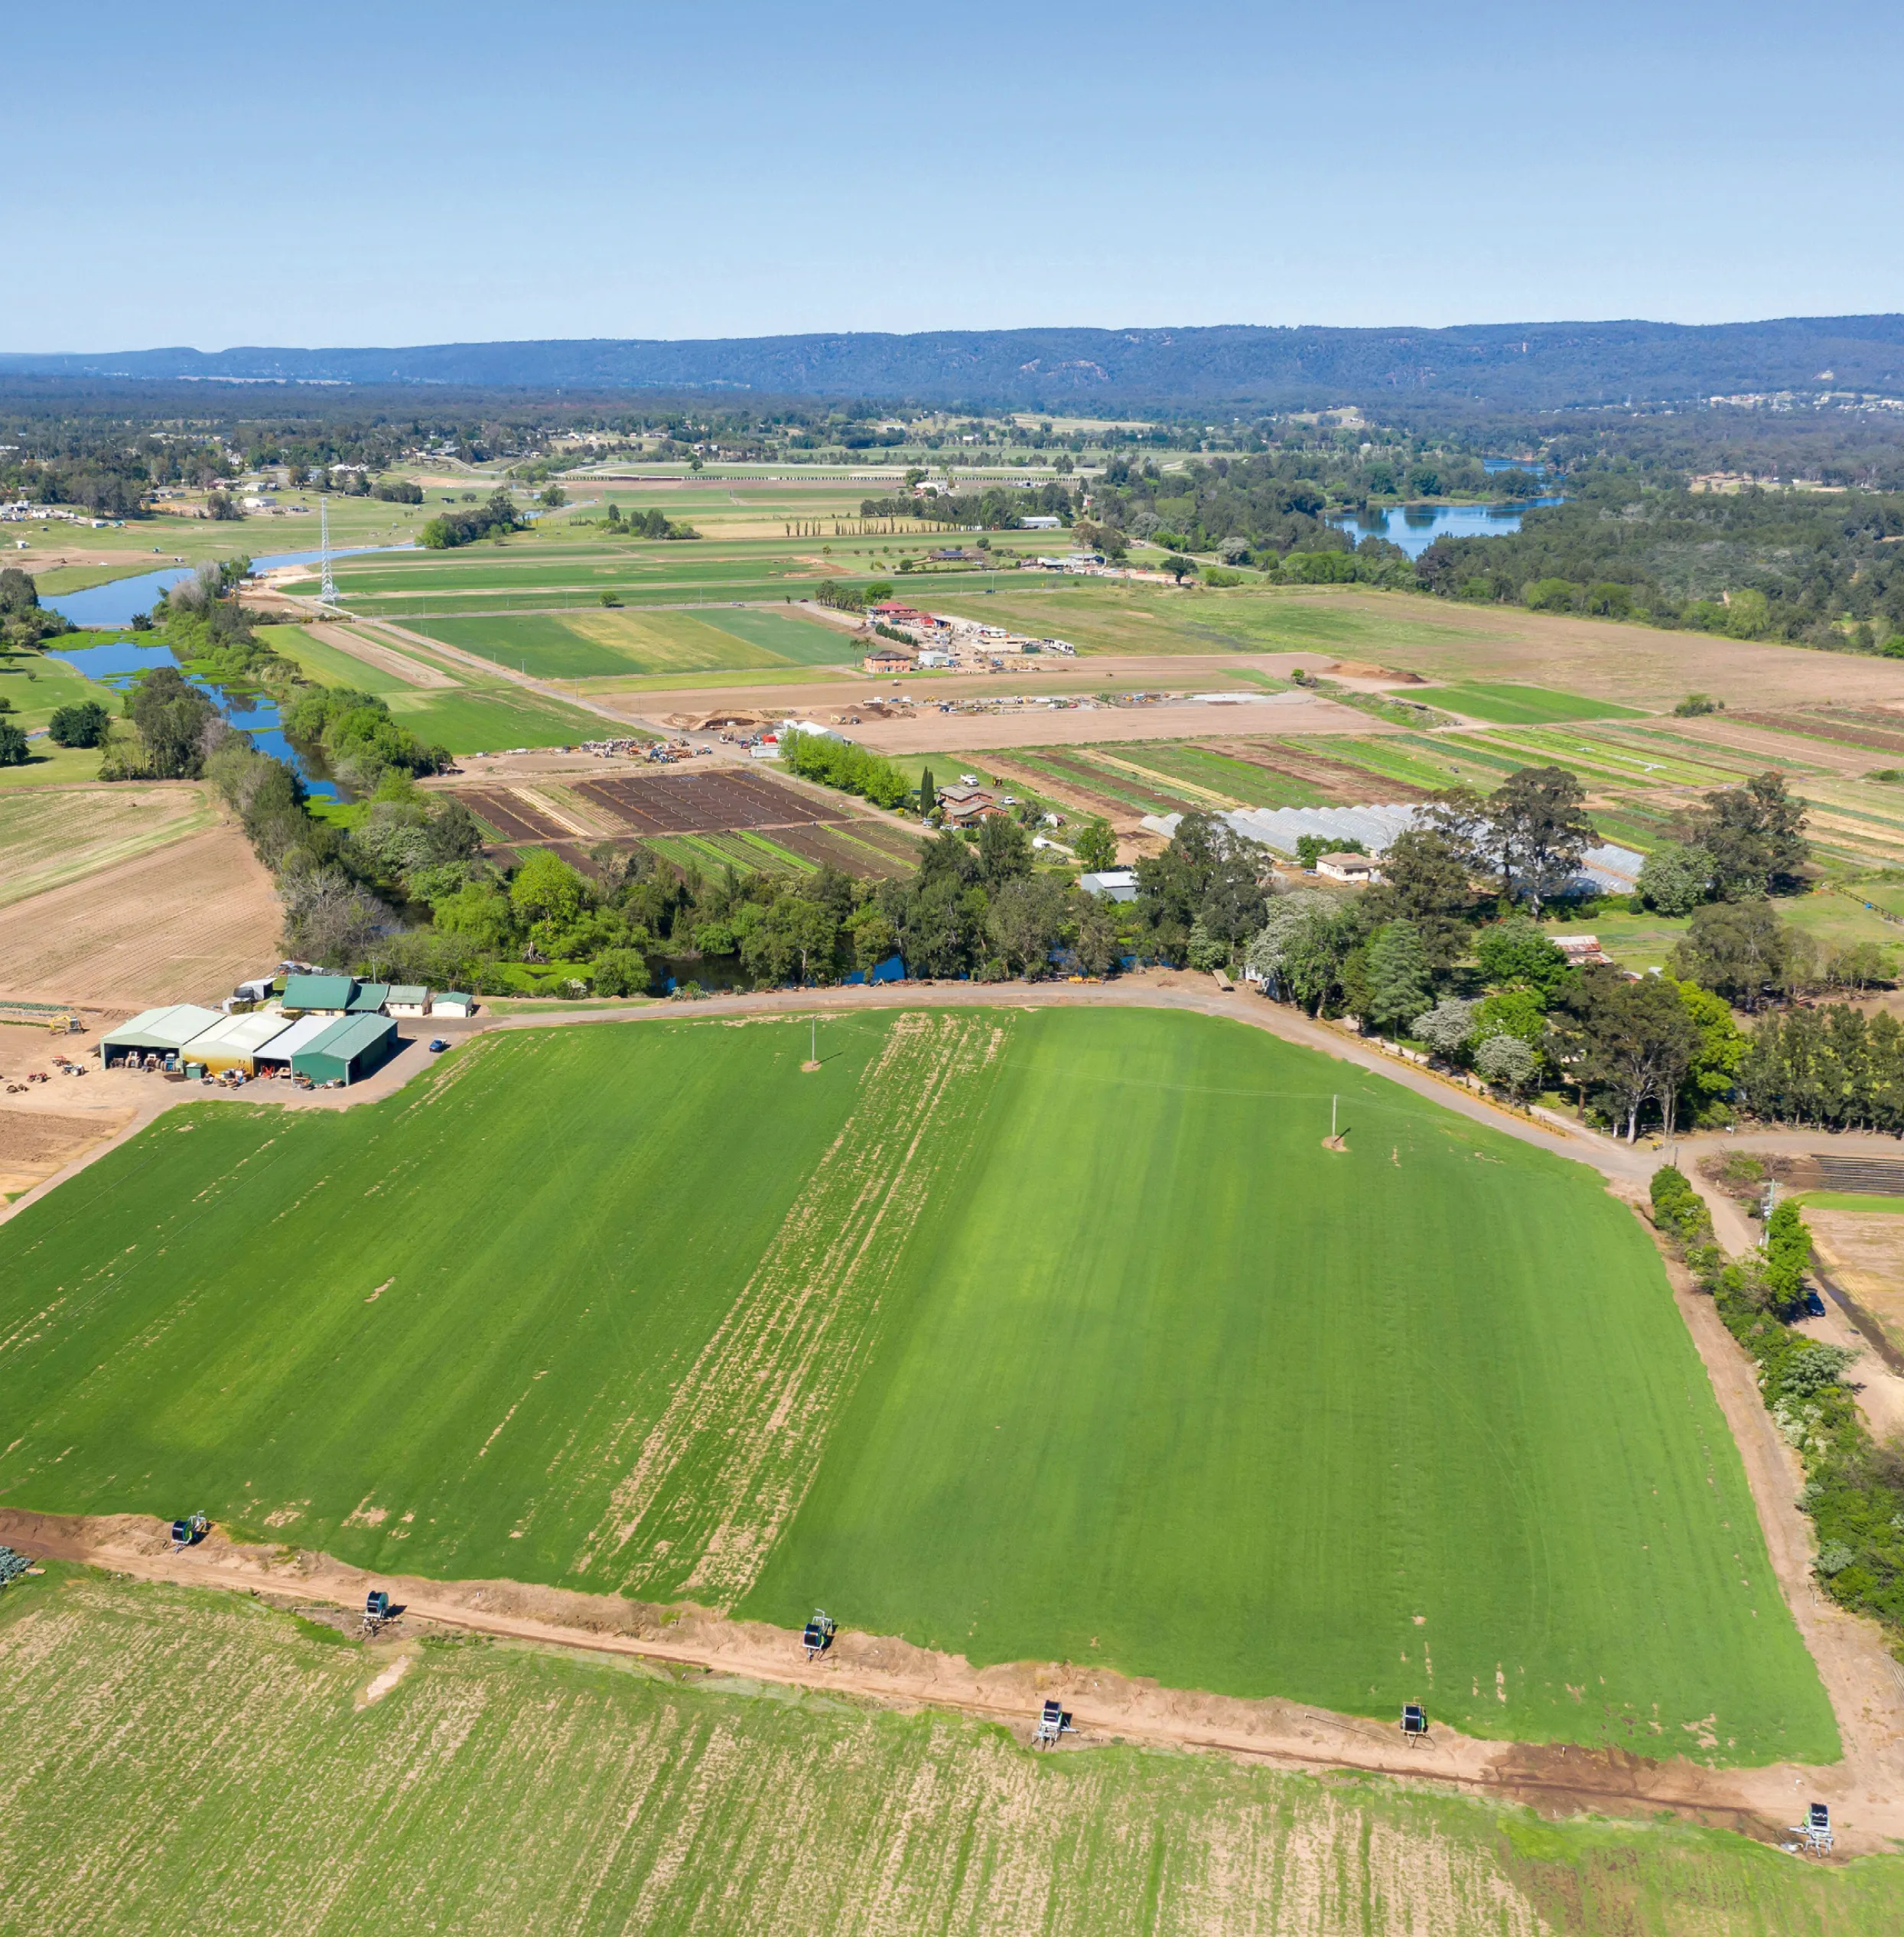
<point x="1814" y="1833"/>
<point x="1414" y="1721"/>
<point x="377" y="1610"/>
<point x="1053" y="1722"/>
<point x="189" y="1532"/>
<point x="818" y="1635"/>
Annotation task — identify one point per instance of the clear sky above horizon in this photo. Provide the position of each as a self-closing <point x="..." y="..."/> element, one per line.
<point x="213" y="175"/>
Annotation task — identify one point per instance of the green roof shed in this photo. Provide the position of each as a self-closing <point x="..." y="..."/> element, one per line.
<point x="351" y="1048"/>
<point x="319" y="994"/>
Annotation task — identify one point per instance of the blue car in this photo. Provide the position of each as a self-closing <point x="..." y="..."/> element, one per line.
<point x="437" y="1046"/>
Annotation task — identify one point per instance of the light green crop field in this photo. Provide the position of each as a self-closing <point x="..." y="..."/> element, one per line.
<point x="326" y="664"/>
<point x="1114" y="1363"/>
<point x="1519" y="705"/>
<point x="488" y="719"/>
<point x="185" y="1761"/>
<point x="605" y="643"/>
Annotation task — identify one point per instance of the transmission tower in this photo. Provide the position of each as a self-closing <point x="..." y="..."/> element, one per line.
<point x="327" y="591"/>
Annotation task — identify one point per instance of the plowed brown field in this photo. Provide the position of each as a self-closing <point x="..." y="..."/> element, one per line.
<point x="181" y="925"/>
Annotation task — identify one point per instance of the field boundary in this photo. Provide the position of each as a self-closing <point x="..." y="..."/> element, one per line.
<point x="1107" y="1708"/>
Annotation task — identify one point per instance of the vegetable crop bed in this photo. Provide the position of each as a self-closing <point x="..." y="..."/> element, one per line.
<point x="986" y="1334"/>
<point x="702" y="803"/>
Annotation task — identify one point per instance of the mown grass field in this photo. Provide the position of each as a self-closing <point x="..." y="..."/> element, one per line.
<point x="606" y="643"/>
<point x="36" y="688"/>
<point x="488" y="719"/>
<point x="1049" y="1334"/>
<point x="180" y="1760"/>
<point x="49" y="835"/>
<point x="1519" y="705"/>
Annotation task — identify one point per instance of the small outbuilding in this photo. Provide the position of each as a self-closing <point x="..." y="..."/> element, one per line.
<point x="156" y="1032"/>
<point x="234" y="1042"/>
<point x="351" y="1048"/>
<point x="1358" y="870"/>
<point x="369" y="999"/>
<point x="1112" y="884"/>
<point x="453" y="1002"/>
<point x="407" y="999"/>
<point x="319" y="995"/>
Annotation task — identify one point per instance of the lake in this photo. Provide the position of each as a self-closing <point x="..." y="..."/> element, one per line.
<point x="1414" y="527"/>
<point x="106" y="605"/>
<point x="119" y="662"/>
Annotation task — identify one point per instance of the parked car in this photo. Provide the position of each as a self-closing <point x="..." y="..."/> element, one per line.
<point x="437" y="1046"/>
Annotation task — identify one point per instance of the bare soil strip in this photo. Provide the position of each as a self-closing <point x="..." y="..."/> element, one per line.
<point x="1867" y="1811"/>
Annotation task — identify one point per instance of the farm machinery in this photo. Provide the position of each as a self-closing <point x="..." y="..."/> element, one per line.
<point x="1415" y="1722"/>
<point x="378" y="1611"/>
<point x="818" y="1635"/>
<point x="189" y="1532"/>
<point x="1052" y="1723"/>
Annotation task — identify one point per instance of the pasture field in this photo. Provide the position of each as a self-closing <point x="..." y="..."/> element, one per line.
<point x="609" y="644"/>
<point x="1024" y="1335"/>
<point x="486" y="719"/>
<point x="38" y="687"/>
<point x="180" y="1760"/>
<point x="325" y="665"/>
<point x="1519" y="705"/>
<point x="1644" y="941"/>
<point x="51" y="836"/>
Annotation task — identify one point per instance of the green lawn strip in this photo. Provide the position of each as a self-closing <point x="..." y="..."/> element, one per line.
<point x="52" y="583"/>
<point x="497" y="1789"/>
<point x="1847" y="1201"/>
<point x="798" y="641"/>
<point x="38" y="687"/>
<point x="1513" y="705"/>
<point x="481" y="720"/>
<point x="330" y="665"/>
<point x="1241" y="779"/>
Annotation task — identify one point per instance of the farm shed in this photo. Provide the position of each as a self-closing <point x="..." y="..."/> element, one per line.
<point x="348" y="1050"/>
<point x="1113" y="884"/>
<point x="369" y="999"/>
<point x="275" y="1056"/>
<point x="157" y="1031"/>
<point x="319" y="995"/>
<point x="407" y="999"/>
<point x="234" y="1042"/>
<point x="453" y="1002"/>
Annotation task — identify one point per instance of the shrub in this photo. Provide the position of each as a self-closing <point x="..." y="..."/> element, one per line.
<point x="86" y="724"/>
<point x="839" y="763"/>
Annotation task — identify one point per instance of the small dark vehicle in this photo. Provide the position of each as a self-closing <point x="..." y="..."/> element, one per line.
<point x="1813" y="1304"/>
<point x="438" y="1045"/>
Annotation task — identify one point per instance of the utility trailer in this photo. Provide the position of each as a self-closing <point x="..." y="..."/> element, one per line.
<point x="817" y="1637"/>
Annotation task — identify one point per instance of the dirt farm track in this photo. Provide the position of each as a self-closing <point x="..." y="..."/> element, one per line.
<point x="166" y="927"/>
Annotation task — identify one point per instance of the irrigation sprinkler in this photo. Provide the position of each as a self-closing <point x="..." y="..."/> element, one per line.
<point x="1414" y="1722"/>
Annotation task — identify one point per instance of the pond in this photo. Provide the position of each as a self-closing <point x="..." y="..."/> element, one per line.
<point x="118" y="661"/>
<point x="1414" y="527"/>
<point x="113" y="604"/>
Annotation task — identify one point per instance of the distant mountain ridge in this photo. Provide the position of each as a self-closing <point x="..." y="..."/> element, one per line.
<point x="1533" y="365"/>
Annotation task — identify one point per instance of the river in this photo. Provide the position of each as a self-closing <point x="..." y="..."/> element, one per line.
<point x="120" y="661"/>
<point x="114" y="603"/>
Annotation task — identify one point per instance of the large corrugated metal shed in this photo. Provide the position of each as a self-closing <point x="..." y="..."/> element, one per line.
<point x="233" y="1043"/>
<point x="351" y="1048"/>
<point x="320" y="992"/>
<point x="300" y="1036"/>
<point x="169" y="1028"/>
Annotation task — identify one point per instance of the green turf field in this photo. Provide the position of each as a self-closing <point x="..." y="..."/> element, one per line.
<point x="1513" y="705"/>
<point x="1114" y="1362"/>
<point x="37" y="687"/>
<point x="488" y="719"/>
<point x="1848" y="1200"/>
<point x="187" y="1761"/>
<point x="326" y="664"/>
<point x="606" y="642"/>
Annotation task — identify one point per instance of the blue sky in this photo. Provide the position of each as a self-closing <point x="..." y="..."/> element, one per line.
<point x="350" y="173"/>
